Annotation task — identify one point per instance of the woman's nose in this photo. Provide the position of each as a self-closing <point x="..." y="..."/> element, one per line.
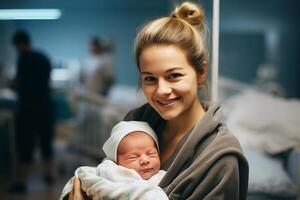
<point x="163" y="87"/>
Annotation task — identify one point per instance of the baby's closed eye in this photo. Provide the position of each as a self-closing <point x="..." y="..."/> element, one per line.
<point x="152" y="154"/>
<point x="132" y="158"/>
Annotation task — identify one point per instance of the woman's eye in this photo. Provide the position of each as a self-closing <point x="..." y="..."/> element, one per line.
<point x="174" y="75"/>
<point x="149" y="79"/>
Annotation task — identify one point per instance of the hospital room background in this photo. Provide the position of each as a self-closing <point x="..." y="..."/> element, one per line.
<point x="258" y="84"/>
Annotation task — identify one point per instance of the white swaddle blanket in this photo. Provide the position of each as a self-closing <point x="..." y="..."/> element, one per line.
<point x="110" y="181"/>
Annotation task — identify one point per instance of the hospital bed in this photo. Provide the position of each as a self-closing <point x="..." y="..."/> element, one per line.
<point x="94" y="117"/>
<point x="268" y="130"/>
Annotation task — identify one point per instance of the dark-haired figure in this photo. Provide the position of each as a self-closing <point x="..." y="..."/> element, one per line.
<point x="98" y="74"/>
<point x="34" y="117"/>
<point x="203" y="160"/>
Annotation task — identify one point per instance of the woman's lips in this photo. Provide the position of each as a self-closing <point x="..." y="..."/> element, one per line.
<point x="167" y="102"/>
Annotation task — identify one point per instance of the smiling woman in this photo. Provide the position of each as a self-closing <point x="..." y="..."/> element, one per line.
<point x="203" y="160"/>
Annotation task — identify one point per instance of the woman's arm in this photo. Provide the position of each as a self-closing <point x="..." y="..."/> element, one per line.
<point x="221" y="181"/>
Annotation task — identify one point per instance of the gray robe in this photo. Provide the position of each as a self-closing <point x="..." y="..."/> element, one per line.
<point x="209" y="165"/>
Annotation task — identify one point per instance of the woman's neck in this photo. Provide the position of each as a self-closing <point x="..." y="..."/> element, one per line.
<point x="176" y="129"/>
<point x="182" y="125"/>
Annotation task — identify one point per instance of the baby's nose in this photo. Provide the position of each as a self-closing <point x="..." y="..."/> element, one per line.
<point x="144" y="160"/>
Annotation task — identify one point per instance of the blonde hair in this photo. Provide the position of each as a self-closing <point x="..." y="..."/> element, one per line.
<point x="182" y="28"/>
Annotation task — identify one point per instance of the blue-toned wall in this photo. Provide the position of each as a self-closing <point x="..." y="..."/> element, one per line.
<point x="68" y="37"/>
<point x="261" y="31"/>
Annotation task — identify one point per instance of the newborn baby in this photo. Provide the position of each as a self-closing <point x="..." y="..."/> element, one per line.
<point x="130" y="170"/>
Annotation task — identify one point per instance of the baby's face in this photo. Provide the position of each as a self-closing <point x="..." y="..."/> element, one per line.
<point x="138" y="151"/>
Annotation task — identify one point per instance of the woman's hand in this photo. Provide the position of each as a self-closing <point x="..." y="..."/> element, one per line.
<point x="75" y="194"/>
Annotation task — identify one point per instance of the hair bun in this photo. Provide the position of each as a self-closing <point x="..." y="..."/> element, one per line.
<point x="191" y="13"/>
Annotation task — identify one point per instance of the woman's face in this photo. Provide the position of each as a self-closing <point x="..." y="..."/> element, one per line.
<point x="169" y="82"/>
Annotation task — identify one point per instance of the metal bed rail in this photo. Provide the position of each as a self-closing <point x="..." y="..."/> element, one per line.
<point x="94" y="118"/>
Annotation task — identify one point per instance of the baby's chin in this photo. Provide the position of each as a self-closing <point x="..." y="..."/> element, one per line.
<point x="148" y="175"/>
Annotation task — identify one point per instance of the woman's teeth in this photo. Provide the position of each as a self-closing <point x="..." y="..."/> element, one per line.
<point x="166" y="102"/>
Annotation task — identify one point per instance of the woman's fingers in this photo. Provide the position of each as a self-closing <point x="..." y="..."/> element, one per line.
<point x="72" y="191"/>
<point x="77" y="190"/>
<point x="75" y="194"/>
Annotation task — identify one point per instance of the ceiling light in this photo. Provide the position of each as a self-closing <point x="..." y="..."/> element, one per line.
<point x="29" y="14"/>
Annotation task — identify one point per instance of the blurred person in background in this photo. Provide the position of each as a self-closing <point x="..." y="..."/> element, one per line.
<point x="98" y="74"/>
<point x="34" y="119"/>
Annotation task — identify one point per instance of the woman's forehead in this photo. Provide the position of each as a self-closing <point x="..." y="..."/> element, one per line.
<point x="163" y="59"/>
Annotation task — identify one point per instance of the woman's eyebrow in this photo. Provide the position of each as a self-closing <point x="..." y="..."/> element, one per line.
<point x="146" y="73"/>
<point x="167" y="71"/>
<point x="174" y="68"/>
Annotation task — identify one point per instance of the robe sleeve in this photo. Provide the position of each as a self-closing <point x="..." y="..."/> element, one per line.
<point x="222" y="182"/>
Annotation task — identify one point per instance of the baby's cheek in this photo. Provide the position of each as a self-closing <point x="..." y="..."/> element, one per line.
<point x="157" y="163"/>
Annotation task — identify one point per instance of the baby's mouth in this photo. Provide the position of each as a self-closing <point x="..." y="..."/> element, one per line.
<point x="146" y="170"/>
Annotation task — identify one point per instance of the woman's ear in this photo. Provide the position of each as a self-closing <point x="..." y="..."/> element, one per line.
<point x="201" y="76"/>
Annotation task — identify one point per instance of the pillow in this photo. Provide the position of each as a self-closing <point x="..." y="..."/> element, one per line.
<point x="268" y="142"/>
<point x="265" y="116"/>
<point x="259" y="111"/>
<point x="266" y="175"/>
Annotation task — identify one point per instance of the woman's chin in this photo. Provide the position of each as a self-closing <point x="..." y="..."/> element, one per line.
<point x="170" y="115"/>
<point x="167" y="113"/>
